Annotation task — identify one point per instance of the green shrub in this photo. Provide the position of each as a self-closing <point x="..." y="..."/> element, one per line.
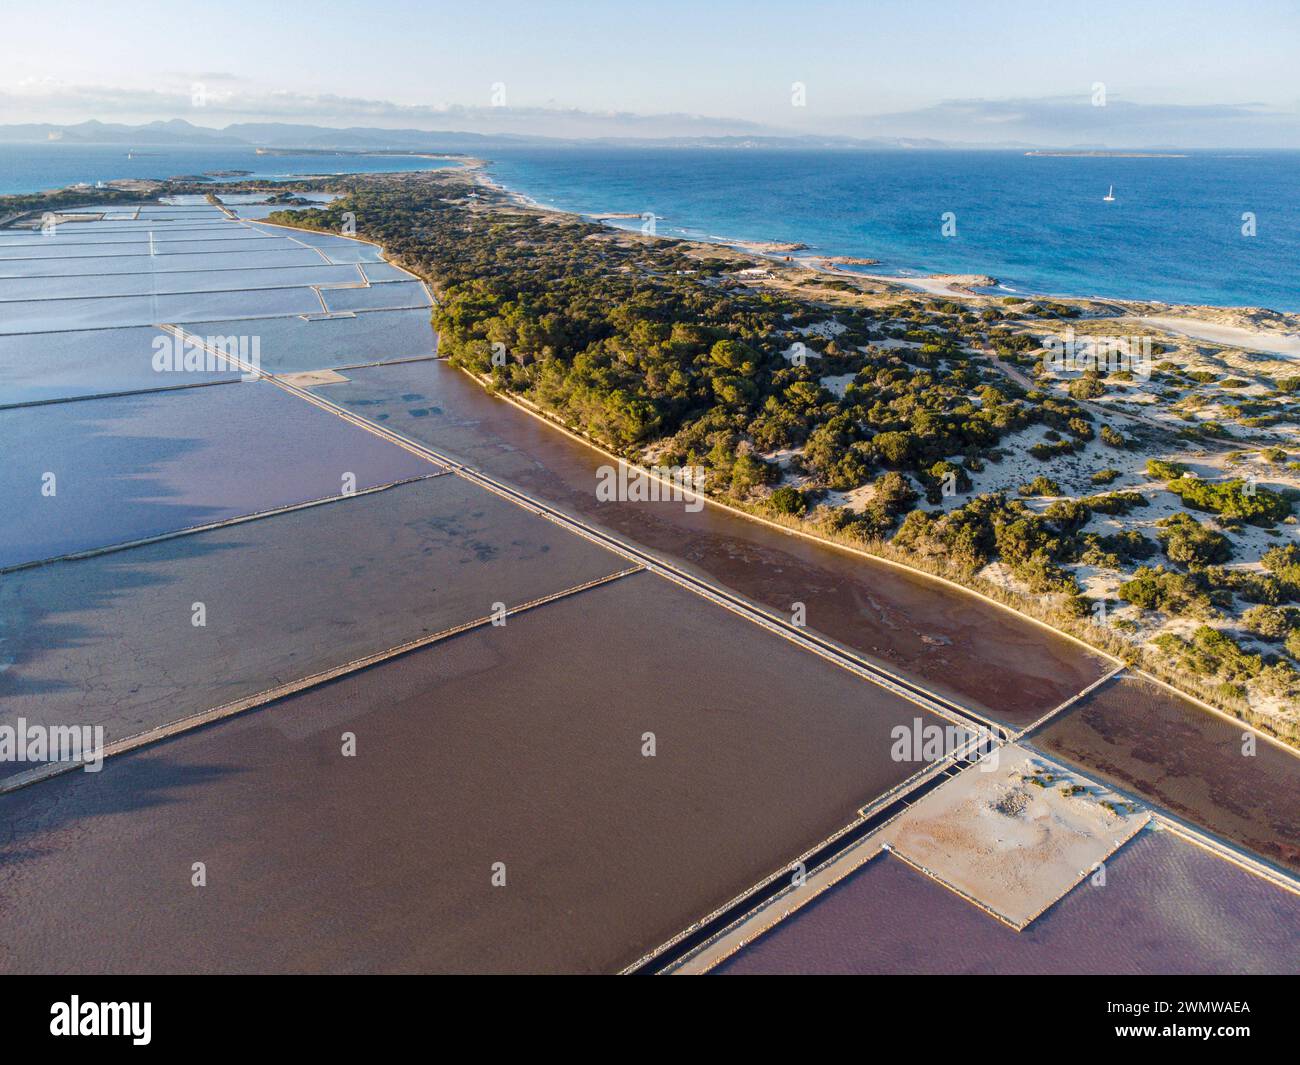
<point x="1166" y="591"/>
<point x="1068" y="515"/>
<point x="1211" y="653"/>
<point x="1115" y="502"/>
<point x="1165" y="471"/>
<point x="1129" y="545"/>
<point x="1086" y="388"/>
<point x="1040" y="486"/>
<point x="1270" y="622"/>
<point x="1232" y="499"/>
<point x="1187" y="541"/>
<point x="787" y="500"/>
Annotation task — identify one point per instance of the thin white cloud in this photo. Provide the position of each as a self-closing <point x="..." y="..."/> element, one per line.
<point x="52" y="101"/>
<point x="1048" y="121"/>
<point x="1063" y="121"/>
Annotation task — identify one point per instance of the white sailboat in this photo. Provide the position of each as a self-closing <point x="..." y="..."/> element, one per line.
<point x="1110" y="196"/>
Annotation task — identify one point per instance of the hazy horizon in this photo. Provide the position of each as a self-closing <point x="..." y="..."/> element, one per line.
<point x="1104" y="75"/>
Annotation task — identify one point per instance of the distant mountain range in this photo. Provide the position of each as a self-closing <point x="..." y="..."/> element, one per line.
<point x="178" y="132"/>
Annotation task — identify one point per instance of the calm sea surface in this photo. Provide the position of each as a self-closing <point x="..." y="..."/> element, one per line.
<point x="33" y="167"/>
<point x="1038" y="224"/>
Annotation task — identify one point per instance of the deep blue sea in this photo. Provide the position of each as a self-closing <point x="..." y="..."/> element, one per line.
<point x="1038" y="224"/>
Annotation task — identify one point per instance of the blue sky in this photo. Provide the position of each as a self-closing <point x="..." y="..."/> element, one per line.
<point x="924" y="67"/>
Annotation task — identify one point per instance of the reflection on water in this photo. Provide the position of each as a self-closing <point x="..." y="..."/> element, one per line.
<point x="960" y="647"/>
<point x="1167" y="907"/>
<point x="136" y="466"/>
<point x="1138" y="735"/>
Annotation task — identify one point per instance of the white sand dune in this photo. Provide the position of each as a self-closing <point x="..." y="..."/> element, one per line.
<point x="1230" y="335"/>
